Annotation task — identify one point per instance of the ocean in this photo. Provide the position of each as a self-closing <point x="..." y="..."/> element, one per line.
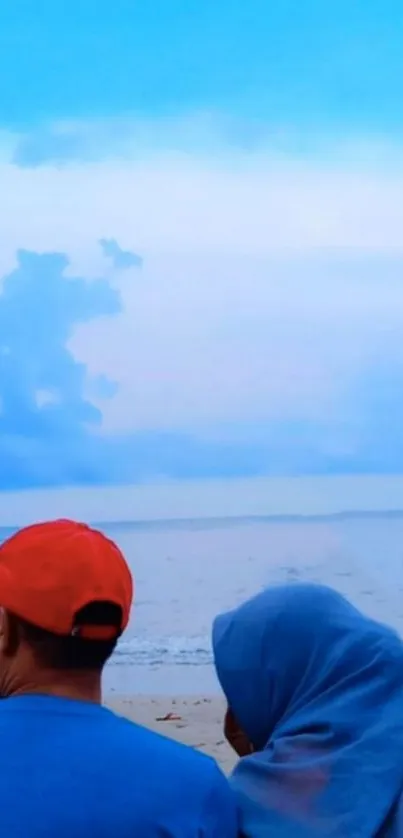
<point x="189" y="567"/>
<point x="186" y="575"/>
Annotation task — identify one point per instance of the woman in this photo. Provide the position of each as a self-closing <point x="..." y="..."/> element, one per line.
<point x="315" y="697"/>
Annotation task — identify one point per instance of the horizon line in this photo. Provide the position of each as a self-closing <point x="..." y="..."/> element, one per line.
<point x="219" y="520"/>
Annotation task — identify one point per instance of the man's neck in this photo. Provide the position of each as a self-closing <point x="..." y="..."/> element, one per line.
<point x="75" y="686"/>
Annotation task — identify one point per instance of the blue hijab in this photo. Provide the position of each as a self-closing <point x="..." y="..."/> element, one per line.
<point x="318" y="689"/>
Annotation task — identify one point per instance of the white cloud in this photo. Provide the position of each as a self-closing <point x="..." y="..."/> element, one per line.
<point x="233" y="201"/>
<point x="216" y="339"/>
<point x="269" y="281"/>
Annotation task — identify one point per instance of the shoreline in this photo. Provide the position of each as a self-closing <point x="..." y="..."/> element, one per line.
<point x="196" y="722"/>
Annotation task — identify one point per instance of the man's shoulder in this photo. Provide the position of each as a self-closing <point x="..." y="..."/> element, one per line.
<point x="152" y="744"/>
<point x="184" y="783"/>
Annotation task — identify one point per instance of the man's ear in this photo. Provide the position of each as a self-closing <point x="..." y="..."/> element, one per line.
<point x="9" y="634"/>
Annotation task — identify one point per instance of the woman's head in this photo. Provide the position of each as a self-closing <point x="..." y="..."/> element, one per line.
<point x="317" y="689"/>
<point x="284" y="649"/>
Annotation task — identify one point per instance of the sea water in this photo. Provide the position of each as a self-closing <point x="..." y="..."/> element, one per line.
<point x="193" y="555"/>
<point x="186" y="575"/>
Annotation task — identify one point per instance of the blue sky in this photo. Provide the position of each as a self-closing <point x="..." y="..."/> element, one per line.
<point x="200" y="239"/>
<point x="300" y="62"/>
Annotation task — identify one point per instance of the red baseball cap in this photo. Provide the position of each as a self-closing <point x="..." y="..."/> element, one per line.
<point x="49" y="571"/>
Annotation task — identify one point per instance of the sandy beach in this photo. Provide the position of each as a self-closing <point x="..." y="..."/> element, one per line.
<point x="193" y="721"/>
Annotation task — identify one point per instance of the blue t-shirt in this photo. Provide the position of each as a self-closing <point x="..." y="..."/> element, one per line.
<point x="75" y="770"/>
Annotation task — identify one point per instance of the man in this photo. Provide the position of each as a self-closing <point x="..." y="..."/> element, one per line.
<point x="69" y="767"/>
